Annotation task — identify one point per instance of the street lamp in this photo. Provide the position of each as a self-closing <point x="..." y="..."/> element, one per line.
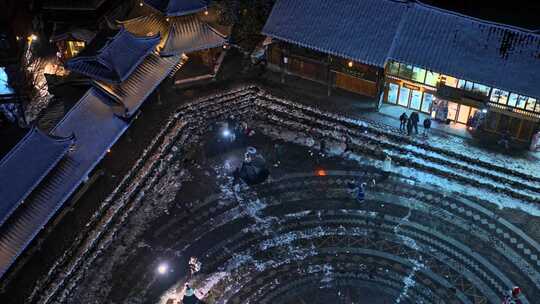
<point x="162" y="268"/>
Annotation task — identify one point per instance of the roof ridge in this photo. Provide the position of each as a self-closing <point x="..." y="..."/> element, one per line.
<point x="21" y="142"/>
<point x="423" y="5"/>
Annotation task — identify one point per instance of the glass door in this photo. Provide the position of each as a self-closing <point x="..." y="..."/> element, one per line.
<point x="404" y="94"/>
<point x="452" y="110"/>
<point x="463" y="115"/>
<point x="416" y="99"/>
<point x="393" y="90"/>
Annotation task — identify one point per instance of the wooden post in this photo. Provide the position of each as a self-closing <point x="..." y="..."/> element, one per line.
<point x="328" y="76"/>
<point x="283" y="64"/>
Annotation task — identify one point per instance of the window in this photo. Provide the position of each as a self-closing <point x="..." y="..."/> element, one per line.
<point x="393" y="68"/>
<point x="498" y="95"/>
<point x="432" y="78"/>
<point x="512" y="100"/>
<point x="521" y="101"/>
<point x="461" y="84"/>
<point x="450" y="81"/>
<point x="74" y="47"/>
<point x="419" y="74"/>
<point x="404" y="96"/>
<point x="481" y="89"/>
<point x="530" y="104"/>
<point x="426" y="103"/>
<point x="416" y="99"/>
<point x="504" y="97"/>
<point x="495" y="94"/>
<point x="406" y="71"/>
<point x="468" y="86"/>
<point x="393" y="92"/>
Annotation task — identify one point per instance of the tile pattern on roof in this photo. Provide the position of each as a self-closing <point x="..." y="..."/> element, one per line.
<point x="23" y="168"/>
<point x="97" y="124"/>
<point x="375" y="31"/>
<point x="178" y="7"/>
<point x="117" y="59"/>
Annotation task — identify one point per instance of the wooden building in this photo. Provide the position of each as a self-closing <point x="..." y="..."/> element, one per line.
<point x="456" y="68"/>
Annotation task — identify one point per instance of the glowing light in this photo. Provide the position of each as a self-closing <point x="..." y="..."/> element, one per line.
<point x="32" y="37"/>
<point x="163" y="268"/>
<point x="141" y="4"/>
<point x="321" y="172"/>
<point x="18" y="38"/>
<point x="167" y="19"/>
<point x="226" y="133"/>
<point x="108" y="150"/>
<point x="206" y="13"/>
<point x="350" y="64"/>
<point x="484" y="110"/>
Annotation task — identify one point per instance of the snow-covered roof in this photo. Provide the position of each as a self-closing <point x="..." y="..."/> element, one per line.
<point x="116" y="58"/>
<point x="375" y="31"/>
<point x="178" y="7"/>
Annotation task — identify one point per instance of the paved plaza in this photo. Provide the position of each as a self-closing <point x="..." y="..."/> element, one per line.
<point x="445" y="227"/>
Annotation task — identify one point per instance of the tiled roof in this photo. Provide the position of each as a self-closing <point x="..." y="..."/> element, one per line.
<point x="95" y="124"/>
<point x="132" y="92"/>
<point x="375" y="31"/>
<point x="180" y="34"/>
<point x="189" y="34"/>
<point x="116" y="59"/>
<point x="359" y="30"/>
<point x="95" y="121"/>
<point x="178" y="7"/>
<point x="23" y="168"/>
<point x="471" y="49"/>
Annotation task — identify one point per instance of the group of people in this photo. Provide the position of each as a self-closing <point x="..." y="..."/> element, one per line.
<point x="409" y="123"/>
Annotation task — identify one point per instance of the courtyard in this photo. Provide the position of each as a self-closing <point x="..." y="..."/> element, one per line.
<point x="443" y="228"/>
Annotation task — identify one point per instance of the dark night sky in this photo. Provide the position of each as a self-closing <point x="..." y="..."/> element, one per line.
<point x="523" y="13"/>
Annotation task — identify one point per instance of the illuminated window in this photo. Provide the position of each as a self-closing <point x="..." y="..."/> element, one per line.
<point x="392" y="93"/>
<point x="498" y="95"/>
<point x="74" y="47"/>
<point x="393" y="68"/>
<point x="530" y="104"/>
<point x="450" y="81"/>
<point x="406" y="71"/>
<point x="426" y="104"/>
<point x="404" y="96"/>
<point x="512" y="101"/>
<point x="416" y="99"/>
<point x="461" y="84"/>
<point x="481" y="89"/>
<point x="432" y="78"/>
<point x="419" y="74"/>
<point x="504" y="97"/>
<point x="521" y="101"/>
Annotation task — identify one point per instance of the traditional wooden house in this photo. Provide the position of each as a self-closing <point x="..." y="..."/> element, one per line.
<point x="453" y="67"/>
<point x="123" y="69"/>
<point x="184" y="31"/>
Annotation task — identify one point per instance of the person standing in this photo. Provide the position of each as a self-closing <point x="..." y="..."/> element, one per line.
<point x="403" y="121"/>
<point x="386" y="167"/>
<point x="415" y="119"/>
<point x="409" y="127"/>
<point x="427" y="126"/>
